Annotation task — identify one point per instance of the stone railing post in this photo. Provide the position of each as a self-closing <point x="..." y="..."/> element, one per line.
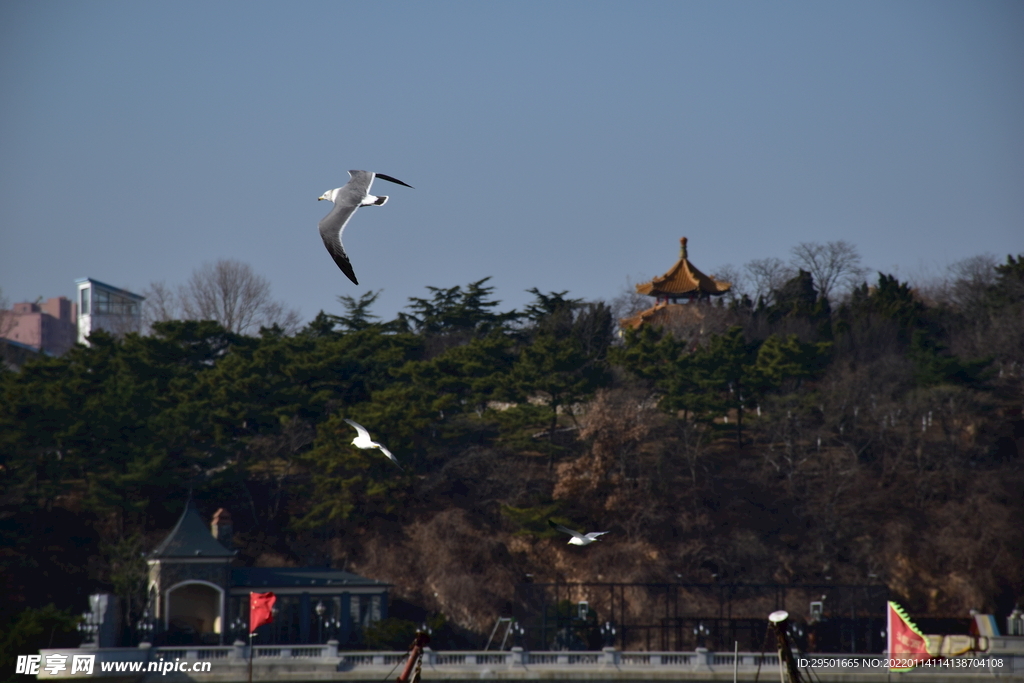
<point x="428" y="656"/>
<point x="611" y="656"/>
<point x="703" y="658"/>
<point x="332" y="648"/>
<point x="238" y="650"/>
<point x="518" y="657"/>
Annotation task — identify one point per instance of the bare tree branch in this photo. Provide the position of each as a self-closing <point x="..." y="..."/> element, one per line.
<point x="227" y="291"/>
<point x="161" y="304"/>
<point x="972" y="277"/>
<point x="833" y="266"/>
<point x="768" y="276"/>
<point x="734" y="276"/>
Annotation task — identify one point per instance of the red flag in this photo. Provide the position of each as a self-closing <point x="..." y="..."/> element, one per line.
<point x="260" y="606"/>
<point x="907" y="645"/>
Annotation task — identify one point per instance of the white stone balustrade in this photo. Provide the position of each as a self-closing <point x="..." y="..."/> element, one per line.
<point x="312" y="663"/>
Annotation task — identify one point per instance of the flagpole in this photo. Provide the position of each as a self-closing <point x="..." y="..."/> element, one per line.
<point x="260" y="613"/>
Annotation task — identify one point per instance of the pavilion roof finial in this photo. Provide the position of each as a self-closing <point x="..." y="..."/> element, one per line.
<point x="683" y="279"/>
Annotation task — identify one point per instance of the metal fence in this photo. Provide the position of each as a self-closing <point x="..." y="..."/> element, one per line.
<point x="683" y="616"/>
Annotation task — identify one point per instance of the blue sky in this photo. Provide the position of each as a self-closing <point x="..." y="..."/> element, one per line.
<point x="564" y="146"/>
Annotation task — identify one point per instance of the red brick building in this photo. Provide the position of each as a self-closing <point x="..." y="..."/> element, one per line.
<point x="50" y="326"/>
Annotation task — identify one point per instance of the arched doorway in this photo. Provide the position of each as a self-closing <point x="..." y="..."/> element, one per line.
<point x="194" y="612"/>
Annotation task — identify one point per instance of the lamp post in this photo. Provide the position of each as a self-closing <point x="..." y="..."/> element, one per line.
<point x="320" y="610"/>
<point x="239" y="628"/>
<point x="517" y="634"/>
<point x="332" y="624"/>
<point x="145" y="627"/>
<point x="89" y="627"/>
<point x="701" y="632"/>
<point x="608" y="633"/>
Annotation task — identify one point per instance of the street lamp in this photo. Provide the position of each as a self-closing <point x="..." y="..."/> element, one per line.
<point x="701" y="632"/>
<point x="238" y="627"/>
<point x="145" y="627"/>
<point x="89" y="627"/>
<point x="517" y="633"/>
<point x="608" y="633"/>
<point x="320" y="610"/>
<point x="332" y="624"/>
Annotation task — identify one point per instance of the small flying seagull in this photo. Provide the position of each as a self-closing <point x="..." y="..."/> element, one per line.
<point x="577" y="537"/>
<point x="363" y="441"/>
<point x="347" y="199"/>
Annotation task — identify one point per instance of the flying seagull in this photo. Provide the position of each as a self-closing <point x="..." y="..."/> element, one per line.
<point x="363" y="441"/>
<point x="577" y="537"/>
<point x="347" y="199"/>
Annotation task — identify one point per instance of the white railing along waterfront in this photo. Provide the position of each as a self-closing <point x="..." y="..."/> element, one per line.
<point x="520" y="663"/>
<point x="609" y="657"/>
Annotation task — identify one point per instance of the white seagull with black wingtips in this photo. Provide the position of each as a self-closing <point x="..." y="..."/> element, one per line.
<point x="347" y="199"/>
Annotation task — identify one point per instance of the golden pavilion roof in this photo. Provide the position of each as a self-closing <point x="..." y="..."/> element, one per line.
<point x="664" y="314"/>
<point x="683" y="279"/>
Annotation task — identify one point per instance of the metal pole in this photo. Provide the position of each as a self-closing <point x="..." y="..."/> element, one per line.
<point x="736" y="661"/>
<point x="250" y="656"/>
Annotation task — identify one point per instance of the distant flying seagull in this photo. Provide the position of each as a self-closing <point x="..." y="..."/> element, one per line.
<point x="363" y="439"/>
<point x="346" y="200"/>
<point x="577" y="537"/>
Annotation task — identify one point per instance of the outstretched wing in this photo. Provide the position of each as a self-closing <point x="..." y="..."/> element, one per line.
<point x="386" y="452"/>
<point x="565" y="530"/>
<point x="359" y="428"/>
<point x="594" y="535"/>
<point x="331" y="228"/>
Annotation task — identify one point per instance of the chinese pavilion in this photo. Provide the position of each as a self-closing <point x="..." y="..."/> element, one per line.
<point x="683" y="281"/>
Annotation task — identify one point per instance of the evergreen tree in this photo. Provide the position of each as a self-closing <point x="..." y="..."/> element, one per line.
<point x="357" y="314"/>
<point x="457" y="310"/>
<point x="565" y="358"/>
<point x="724" y="376"/>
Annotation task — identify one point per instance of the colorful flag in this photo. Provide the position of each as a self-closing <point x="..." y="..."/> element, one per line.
<point x="908" y="647"/>
<point x="260" y="609"/>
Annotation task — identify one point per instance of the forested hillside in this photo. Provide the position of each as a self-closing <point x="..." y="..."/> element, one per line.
<point x="877" y="438"/>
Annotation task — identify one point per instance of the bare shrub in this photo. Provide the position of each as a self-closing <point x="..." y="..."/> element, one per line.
<point x="616" y="424"/>
<point x="455" y="566"/>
